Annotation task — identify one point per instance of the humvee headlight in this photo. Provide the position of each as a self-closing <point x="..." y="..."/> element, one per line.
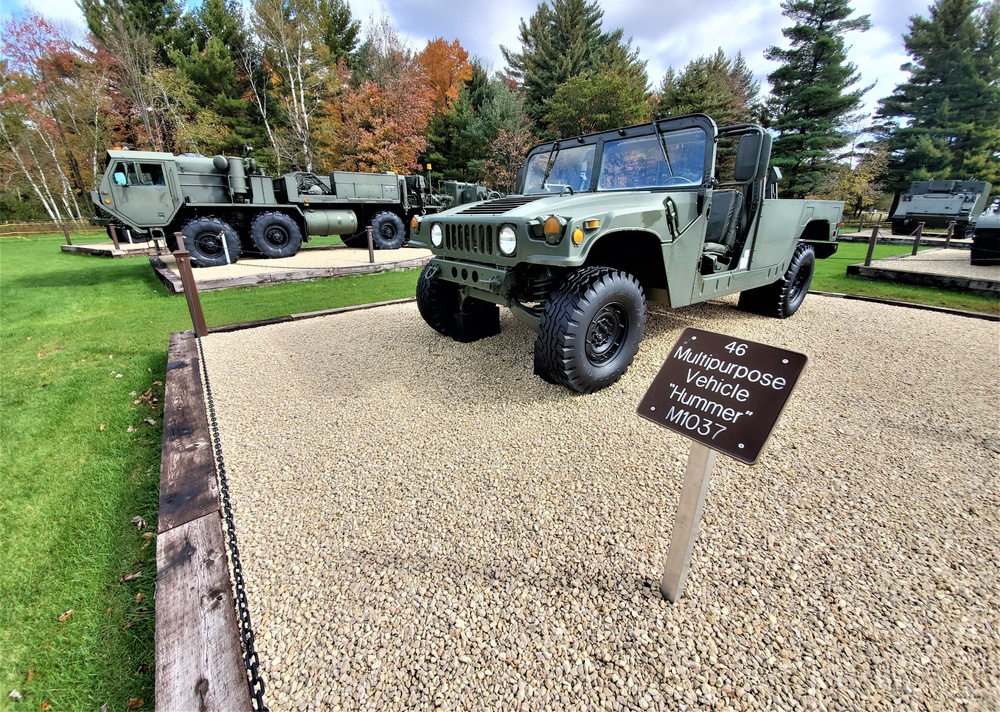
<point x="553" y="229"/>
<point x="508" y="240"/>
<point x="437" y="236"/>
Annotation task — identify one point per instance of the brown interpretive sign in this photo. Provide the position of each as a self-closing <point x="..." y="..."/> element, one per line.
<point x="723" y="392"/>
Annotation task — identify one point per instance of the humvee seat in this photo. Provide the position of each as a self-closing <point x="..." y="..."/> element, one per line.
<point x="723" y="221"/>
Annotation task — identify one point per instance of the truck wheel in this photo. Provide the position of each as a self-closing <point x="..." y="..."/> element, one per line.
<point x="388" y="232"/>
<point x="208" y="239"/>
<point x="783" y="297"/>
<point x="899" y="228"/>
<point x="437" y="301"/>
<point x="275" y="235"/>
<point x="590" y="329"/>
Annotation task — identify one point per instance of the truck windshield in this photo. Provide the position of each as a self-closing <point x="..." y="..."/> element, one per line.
<point x="571" y="166"/>
<point x="645" y="162"/>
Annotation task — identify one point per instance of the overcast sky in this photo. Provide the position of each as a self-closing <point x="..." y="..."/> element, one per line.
<point x="667" y="33"/>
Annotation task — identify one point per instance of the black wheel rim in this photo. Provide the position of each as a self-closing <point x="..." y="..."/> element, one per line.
<point x="209" y="244"/>
<point x="606" y="334"/>
<point x="276" y="236"/>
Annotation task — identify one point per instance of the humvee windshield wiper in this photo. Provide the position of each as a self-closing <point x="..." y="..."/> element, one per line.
<point x="550" y="164"/>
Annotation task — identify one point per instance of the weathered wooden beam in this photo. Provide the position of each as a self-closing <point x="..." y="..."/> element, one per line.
<point x="199" y="663"/>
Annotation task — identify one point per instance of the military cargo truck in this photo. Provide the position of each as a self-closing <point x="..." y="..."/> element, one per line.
<point x="226" y="205"/>
<point x="986" y="237"/>
<point x="935" y="203"/>
<point x="602" y="223"/>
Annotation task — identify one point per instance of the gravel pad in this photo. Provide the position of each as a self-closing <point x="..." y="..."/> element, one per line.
<point x="424" y="523"/>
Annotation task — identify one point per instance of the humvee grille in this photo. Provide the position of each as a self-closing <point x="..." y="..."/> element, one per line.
<point x="471" y="239"/>
<point x="500" y="206"/>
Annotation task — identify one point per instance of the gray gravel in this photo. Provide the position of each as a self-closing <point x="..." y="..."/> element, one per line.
<point x="425" y="524"/>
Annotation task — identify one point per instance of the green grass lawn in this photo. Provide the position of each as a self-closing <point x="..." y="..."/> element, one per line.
<point x="84" y="343"/>
<point x="831" y="276"/>
<point x="84" y="346"/>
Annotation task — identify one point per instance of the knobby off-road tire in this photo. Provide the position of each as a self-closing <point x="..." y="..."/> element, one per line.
<point x="591" y="327"/>
<point x="388" y="231"/>
<point x="437" y="301"/>
<point x="207" y="240"/>
<point x="276" y="234"/>
<point x="782" y="298"/>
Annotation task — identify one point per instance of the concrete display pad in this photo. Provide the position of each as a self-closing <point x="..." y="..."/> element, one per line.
<point x="939" y="267"/>
<point x="312" y="263"/>
<point x="107" y="249"/>
<point x="424" y="523"/>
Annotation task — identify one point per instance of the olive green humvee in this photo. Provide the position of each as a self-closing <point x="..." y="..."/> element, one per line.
<point x="678" y="211"/>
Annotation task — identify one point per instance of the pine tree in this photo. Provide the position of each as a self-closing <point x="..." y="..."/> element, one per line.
<point x="944" y="120"/>
<point x="562" y="41"/>
<point x="715" y="85"/>
<point x="811" y="91"/>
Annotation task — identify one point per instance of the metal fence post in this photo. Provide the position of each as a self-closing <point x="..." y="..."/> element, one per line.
<point x="371" y="245"/>
<point x="66" y="233"/>
<point x="190" y="288"/>
<point x="871" y="245"/>
<point x="951" y="231"/>
<point x="114" y="236"/>
<point x="916" y="238"/>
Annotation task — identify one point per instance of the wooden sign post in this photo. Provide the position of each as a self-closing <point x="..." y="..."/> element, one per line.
<point x="725" y="394"/>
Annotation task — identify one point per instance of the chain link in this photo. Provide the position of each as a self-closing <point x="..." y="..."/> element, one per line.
<point x="252" y="661"/>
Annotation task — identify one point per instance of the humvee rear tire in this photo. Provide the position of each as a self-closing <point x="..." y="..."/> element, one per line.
<point x="437" y="301"/>
<point x="590" y="329"/>
<point x="276" y="234"/>
<point x="388" y="232"/>
<point x="782" y="298"/>
<point x="208" y="239"/>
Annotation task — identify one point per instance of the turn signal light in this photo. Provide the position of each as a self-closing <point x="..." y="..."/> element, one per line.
<point x="577" y="236"/>
<point x="591" y="224"/>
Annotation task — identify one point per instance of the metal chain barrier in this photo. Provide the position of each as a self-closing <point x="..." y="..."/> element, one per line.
<point x="254" y="680"/>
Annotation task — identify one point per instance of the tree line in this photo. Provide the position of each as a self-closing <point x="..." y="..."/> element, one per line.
<point x="308" y="88"/>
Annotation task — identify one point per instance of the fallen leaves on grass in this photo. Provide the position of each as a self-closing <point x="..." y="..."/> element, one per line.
<point x="140" y="597"/>
<point x="130" y="576"/>
<point x="135" y="703"/>
<point x="147" y="398"/>
<point x="65" y="616"/>
<point x="46" y="706"/>
<point x="31" y="674"/>
<point x="102" y="427"/>
<point x="14" y="694"/>
<point x="139" y="522"/>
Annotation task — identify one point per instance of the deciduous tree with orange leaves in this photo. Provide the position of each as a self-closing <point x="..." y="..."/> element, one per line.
<point x="447" y="69"/>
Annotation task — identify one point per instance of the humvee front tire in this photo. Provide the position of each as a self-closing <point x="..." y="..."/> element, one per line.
<point x="590" y="329"/>
<point x="437" y="301"/>
<point x="783" y="297"/>
<point x="208" y="240"/>
<point x="275" y="234"/>
<point x="388" y="232"/>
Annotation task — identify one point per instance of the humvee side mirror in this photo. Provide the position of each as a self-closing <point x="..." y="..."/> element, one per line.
<point x="120" y="179"/>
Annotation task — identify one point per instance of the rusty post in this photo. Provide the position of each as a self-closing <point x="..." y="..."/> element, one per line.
<point x="871" y="245"/>
<point x="114" y="236"/>
<point x="951" y="232"/>
<point x="190" y="288"/>
<point x="916" y="238"/>
<point x="66" y="233"/>
<point x="371" y="245"/>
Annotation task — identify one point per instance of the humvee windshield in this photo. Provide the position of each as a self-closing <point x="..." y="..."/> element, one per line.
<point x="673" y="159"/>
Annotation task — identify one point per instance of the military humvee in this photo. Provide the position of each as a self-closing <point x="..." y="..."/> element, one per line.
<point x="225" y="205"/>
<point x="677" y="211"/>
<point x="935" y="203"/>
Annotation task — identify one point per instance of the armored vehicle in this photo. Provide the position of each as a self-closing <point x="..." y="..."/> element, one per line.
<point x="225" y="205"/>
<point x="675" y="211"/>
<point x="935" y="203"/>
<point x="986" y="237"/>
<point x="461" y="193"/>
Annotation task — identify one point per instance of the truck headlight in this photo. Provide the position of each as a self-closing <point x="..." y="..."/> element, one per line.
<point x="437" y="236"/>
<point x="508" y="240"/>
